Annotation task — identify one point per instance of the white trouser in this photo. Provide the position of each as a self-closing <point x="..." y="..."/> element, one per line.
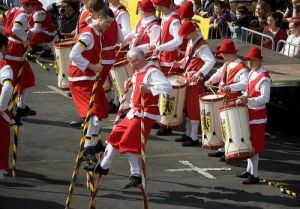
<point x="93" y="131"/>
<point x="252" y="165"/>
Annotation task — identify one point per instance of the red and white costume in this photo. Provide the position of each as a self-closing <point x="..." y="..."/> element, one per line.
<point x="126" y="136"/>
<point x="169" y="42"/>
<point x="84" y="20"/>
<point x="42" y="26"/>
<point x="86" y="50"/>
<point x="146" y="33"/>
<point x="6" y="90"/>
<point x="258" y="92"/>
<point x="201" y="63"/>
<point x="122" y="17"/>
<point x="233" y="74"/>
<point x="110" y="38"/>
<point x="17" y="34"/>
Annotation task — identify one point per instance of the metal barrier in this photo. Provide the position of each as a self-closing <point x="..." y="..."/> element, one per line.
<point x="250" y="36"/>
<point x="292" y="48"/>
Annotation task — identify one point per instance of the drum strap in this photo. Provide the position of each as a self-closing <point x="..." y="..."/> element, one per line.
<point x="224" y="73"/>
<point x="140" y="36"/>
<point x="196" y="45"/>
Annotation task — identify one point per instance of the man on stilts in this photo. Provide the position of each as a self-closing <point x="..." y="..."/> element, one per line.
<point x="147" y="82"/>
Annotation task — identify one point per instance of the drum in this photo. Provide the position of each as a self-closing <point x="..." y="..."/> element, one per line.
<point x="236" y="132"/>
<point x="120" y="73"/>
<point x="107" y="85"/>
<point x="210" y="121"/>
<point x="62" y="61"/>
<point x="171" y="104"/>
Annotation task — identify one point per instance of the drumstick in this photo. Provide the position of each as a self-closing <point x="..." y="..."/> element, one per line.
<point x="120" y="47"/>
<point x="212" y="91"/>
<point x="171" y="68"/>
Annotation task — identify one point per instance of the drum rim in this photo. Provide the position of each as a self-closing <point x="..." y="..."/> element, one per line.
<point x="181" y="86"/>
<point x="227" y="107"/>
<point x="212" y="100"/>
<point x="57" y="44"/>
<point x="120" y="63"/>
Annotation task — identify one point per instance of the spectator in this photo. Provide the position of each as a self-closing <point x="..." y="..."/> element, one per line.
<point x="241" y="21"/>
<point x="254" y="38"/>
<point x="274" y="30"/>
<point x="207" y="8"/>
<point x="294" y="38"/>
<point x="250" y="4"/>
<point x="277" y="5"/>
<point x="68" y="19"/>
<point x="292" y="10"/>
<point x="218" y="23"/>
<point x="262" y="11"/>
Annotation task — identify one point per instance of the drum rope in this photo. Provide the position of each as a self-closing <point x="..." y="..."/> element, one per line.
<point x="80" y="154"/>
<point x="143" y="156"/>
<point x="282" y="188"/>
<point x="34" y="59"/>
<point x="229" y="130"/>
<point x="11" y="106"/>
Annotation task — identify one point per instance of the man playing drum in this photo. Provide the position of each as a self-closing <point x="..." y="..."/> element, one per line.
<point x="147" y="82"/>
<point x="198" y="61"/>
<point x="232" y="78"/>
<point x="257" y="95"/>
<point x="85" y="57"/>
<point x="147" y="30"/>
<point x="169" y="43"/>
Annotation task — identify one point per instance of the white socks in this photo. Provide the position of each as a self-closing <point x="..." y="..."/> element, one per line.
<point x="194" y="129"/>
<point x="1" y="174"/>
<point x="109" y="155"/>
<point x="92" y="132"/>
<point x="133" y="160"/>
<point x="187" y="127"/>
<point x="252" y="166"/>
<point x="21" y="103"/>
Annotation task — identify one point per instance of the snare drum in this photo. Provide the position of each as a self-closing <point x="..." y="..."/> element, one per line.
<point x="236" y="132"/>
<point x="210" y="121"/>
<point x="120" y="73"/>
<point x="62" y="61"/>
<point x="171" y="104"/>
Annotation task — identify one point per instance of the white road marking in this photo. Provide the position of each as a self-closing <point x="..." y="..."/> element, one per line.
<point x="202" y="171"/>
<point x="57" y="90"/>
<point x="44" y="92"/>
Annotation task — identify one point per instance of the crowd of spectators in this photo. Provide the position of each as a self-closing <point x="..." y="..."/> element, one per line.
<point x="279" y="19"/>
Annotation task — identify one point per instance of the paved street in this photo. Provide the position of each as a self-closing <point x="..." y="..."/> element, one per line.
<point x="178" y="177"/>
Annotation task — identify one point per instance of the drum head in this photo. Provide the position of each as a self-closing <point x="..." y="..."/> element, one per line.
<point x="209" y="97"/>
<point x="177" y="81"/>
<point x="64" y="43"/>
<point x="231" y="106"/>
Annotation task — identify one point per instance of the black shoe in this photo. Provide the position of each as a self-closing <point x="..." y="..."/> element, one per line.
<point x="77" y="123"/>
<point x="183" y="138"/>
<point x="99" y="147"/>
<point x="243" y="175"/>
<point x="36" y="49"/>
<point x="134" y="181"/>
<point x="113" y="108"/>
<point x="190" y="143"/>
<point x="90" y="167"/>
<point x="24" y="112"/>
<point x="89" y="154"/>
<point x="98" y="169"/>
<point x="156" y="126"/>
<point x="164" y="132"/>
<point x="46" y="53"/>
<point x="216" y="154"/>
<point x="251" y="180"/>
<point x="222" y="158"/>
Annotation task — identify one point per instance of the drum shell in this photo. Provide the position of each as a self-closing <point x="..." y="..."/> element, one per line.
<point x="62" y="61"/>
<point x="173" y="102"/>
<point x="210" y="121"/>
<point x="236" y="132"/>
<point x="120" y="73"/>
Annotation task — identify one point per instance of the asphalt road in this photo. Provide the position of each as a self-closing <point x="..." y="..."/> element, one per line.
<point x="48" y="147"/>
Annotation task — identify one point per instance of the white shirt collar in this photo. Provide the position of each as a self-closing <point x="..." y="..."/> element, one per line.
<point x="95" y="29"/>
<point x="146" y="21"/>
<point x="145" y="67"/>
<point x="165" y="17"/>
<point x="234" y="63"/>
